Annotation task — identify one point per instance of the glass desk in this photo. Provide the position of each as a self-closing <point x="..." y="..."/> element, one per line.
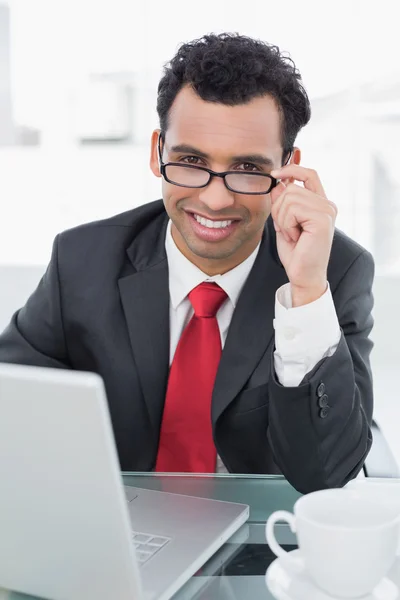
<point x="237" y="570"/>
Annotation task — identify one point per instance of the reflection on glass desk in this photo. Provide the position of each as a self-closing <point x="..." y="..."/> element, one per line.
<point x="237" y="570"/>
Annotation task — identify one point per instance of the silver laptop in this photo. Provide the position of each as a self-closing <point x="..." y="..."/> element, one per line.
<point x="69" y="530"/>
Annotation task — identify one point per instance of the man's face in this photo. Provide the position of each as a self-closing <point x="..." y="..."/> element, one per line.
<point x="222" y="138"/>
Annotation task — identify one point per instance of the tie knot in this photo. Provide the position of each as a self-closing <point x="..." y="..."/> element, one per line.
<point x="206" y="299"/>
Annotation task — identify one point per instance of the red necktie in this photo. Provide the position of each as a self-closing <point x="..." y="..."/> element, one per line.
<point x="186" y="441"/>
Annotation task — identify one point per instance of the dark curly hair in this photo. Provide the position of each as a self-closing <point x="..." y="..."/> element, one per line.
<point x="233" y="69"/>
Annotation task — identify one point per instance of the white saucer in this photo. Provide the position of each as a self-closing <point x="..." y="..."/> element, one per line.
<point x="288" y="585"/>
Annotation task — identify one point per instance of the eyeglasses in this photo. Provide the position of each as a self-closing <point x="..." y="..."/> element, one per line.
<point x="192" y="176"/>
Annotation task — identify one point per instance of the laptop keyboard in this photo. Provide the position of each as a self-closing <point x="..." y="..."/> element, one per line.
<point x="147" y="545"/>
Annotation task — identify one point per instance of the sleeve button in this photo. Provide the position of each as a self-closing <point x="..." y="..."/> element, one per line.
<point x="323" y="401"/>
<point x="323" y="413"/>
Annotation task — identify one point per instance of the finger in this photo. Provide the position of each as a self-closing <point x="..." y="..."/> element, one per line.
<point x="277" y="192"/>
<point x="309" y="177"/>
<point x="285" y="196"/>
<point x="291" y="192"/>
<point x="289" y="225"/>
<point x="297" y="217"/>
<point x="281" y="233"/>
<point x="297" y="194"/>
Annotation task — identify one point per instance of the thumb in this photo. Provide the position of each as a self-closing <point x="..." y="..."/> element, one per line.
<point x="277" y="191"/>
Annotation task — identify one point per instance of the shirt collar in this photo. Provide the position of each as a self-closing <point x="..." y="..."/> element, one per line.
<point x="184" y="276"/>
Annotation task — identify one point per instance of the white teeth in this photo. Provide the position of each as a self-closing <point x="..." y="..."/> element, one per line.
<point x="211" y="224"/>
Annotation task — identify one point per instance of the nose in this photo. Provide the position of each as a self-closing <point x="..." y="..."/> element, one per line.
<point x="216" y="195"/>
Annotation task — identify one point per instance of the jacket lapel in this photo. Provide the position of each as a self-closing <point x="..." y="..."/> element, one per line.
<point x="251" y="328"/>
<point x="145" y="300"/>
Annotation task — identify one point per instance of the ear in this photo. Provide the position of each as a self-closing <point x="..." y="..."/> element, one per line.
<point x="154" y="157"/>
<point x="294" y="160"/>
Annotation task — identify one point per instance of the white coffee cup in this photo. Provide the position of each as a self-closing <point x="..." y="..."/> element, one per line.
<point x="347" y="542"/>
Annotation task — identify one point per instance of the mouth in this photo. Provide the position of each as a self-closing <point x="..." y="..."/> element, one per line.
<point x="211" y="230"/>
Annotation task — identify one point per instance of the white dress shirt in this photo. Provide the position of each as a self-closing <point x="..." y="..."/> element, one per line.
<point x="303" y="335"/>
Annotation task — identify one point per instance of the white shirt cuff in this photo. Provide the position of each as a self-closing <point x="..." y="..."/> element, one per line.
<point x="303" y="335"/>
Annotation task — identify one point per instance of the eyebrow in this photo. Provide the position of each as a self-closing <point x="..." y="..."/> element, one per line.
<point x="254" y="158"/>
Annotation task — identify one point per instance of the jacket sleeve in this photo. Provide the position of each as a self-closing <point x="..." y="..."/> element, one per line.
<point x="319" y="432"/>
<point x="35" y="334"/>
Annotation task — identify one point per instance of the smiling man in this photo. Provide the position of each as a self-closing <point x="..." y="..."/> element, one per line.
<point x="230" y="321"/>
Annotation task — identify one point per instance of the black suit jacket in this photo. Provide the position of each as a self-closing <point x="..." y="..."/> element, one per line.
<point x="103" y="306"/>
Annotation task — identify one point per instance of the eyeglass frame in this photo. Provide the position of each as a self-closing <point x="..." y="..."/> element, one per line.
<point x="223" y="174"/>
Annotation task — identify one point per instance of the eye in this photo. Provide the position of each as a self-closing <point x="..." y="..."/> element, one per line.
<point x="248" y="167"/>
<point x="190" y="160"/>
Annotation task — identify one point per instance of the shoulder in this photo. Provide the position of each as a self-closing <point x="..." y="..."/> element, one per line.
<point x="104" y="242"/>
<point x="134" y="219"/>
<point x="121" y="228"/>
<point x="345" y="250"/>
<point x="347" y="255"/>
